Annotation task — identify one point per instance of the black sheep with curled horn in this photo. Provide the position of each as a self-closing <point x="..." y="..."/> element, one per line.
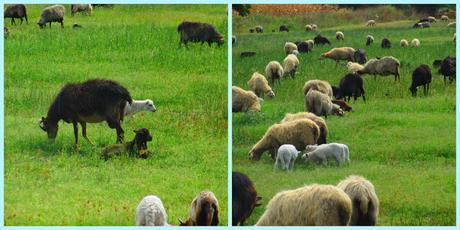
<point x="92" y="101"/>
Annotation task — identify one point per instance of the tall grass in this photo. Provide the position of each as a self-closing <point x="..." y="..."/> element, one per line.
<point x="48" y="183"/>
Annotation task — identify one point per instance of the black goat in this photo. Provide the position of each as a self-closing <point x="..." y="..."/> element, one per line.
<point x="421" y="76"/>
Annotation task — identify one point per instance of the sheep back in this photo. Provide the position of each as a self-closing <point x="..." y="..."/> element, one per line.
<point x="319" y="85"/>
<point x="151" y="212"/>
<point x="199" y="32"/>
<point x="341" y="53"/>
<point x="52" y="14"/>
<point x="323" y="130"/>
<point x="243" y="100"/>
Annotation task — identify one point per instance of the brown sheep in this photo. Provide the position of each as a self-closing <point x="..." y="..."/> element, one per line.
<point x="204" y="211"/>
<point x="320" y="104"/>
<point x="323" y="131"/>
<point x="243" y="101"/>
<point x="259" y="85"/>
<point x="319" y="85"/>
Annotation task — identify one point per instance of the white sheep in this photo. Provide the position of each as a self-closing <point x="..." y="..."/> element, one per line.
<point x="75" y="8"/>
<point x="320" y="153"/>
<point x="337" y="54"/>
<point x="243" y="101"/>
<point x="274" y="71"/>
<point x="415" y="42"/>
<point x="289" y="47"/>
<point x="321" y="104"/>
<point x="151" y="212"/>
<point x="139" y="106"/>
<point x="369" y="39"/>
<point x="314" y="26"/>
<point x="370" y="23"/>
<point x="308" y="28"/>
<point x="259" y="85"/>
<point x="403" y="43"/>
<point x="354" y="67"/>
<point x="445" y="18"/>
<point x="383" y="66"/>
<point x="286" y="156"/>
<point x="339" y="35"/>
<point x="291" y="62"/>
<point x="310" y="43"/>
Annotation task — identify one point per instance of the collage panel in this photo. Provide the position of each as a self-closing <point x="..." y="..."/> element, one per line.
<point x="343" y="115"/>
<point x="115" y="114"/>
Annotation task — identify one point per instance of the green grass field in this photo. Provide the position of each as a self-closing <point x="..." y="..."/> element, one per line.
<point x="404" y="145"/>
<point x="49" y="183"/>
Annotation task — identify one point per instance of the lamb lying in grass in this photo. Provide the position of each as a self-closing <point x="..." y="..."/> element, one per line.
<point x="320" y="153"/>
<point x="286" y="156"/>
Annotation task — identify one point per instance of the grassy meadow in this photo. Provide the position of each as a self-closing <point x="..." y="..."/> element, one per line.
<point x="404" y="145"/>
<point x="49" y="183"/>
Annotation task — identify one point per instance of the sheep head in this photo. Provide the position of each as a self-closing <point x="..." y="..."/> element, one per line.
<point x="50" y="128"/>
<point x="150" y="106"/>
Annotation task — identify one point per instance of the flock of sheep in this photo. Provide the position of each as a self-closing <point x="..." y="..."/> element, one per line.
<point x="353" y="201"/>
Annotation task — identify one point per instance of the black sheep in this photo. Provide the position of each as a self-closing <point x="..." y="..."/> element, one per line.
<point x="199" y="32"/>
<point x="92" y="101"/>
<point x="447" y="68"/>
<point x="360" y="56"/>
<point x="351" y="85"/>
<point x="284" y="28"/>
<point x="16" y="11"/>
<point x="259" y="29"/>
<point x="385" y="43"/>
<point x="321" y="40"/>
<point x="369" y="41"/>
<point x="244" y="198"/>
<point x="421" y="76"/>
<point x="302" y="47"/>
<point x="252" y="30"/>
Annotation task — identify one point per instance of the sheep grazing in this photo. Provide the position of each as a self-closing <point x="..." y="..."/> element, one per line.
<point x="135" y="148"/>
<point x="291" y="62"/>
<point x="351" y="85"/>
<point x="360" y="56"/>
<point x="308" y="28"/>
<point x="75" y="8"/>
<point x="251" y="30"/>
<point x="92" y="101"/>
<point x="319" y="121"/>
<point x="138" y="106"/>
<point x="337" y="54"/>
<point x="321" y="104"/>
<point x="310" y="43"/>
<point x="286" y="156"/>
<point x="52" y="14"/>
<point x="299" y="133"/>
<point x="421" y="25"/>
<point x="320" y="40"/>
<point x="16" y="11"/>
<point x="259" y="85"/>
<point x="320" y="153"/>
<point x="451" y="24"/>
<point x="383" y="66"/>
<point x="415" y="42"/>
<point x="385" y="43"/>
<point x="370" y="23"/>
<point x="303" y="46"/>
<point x="274" y="71"/>
<point x="259" y="29"/>
<point x="314" y="26"/>
<point x="369" y="40"/>
<point x="199" y="32"/>
<point x="244" y="198"/>
<point x="319" y="85"/>
<point x="354" y="67"/>
<point x="151" y="212"/>
<point x="289" y="47"/>
<point x="284" y="28"/>
<point x="403" y="43"/>
<point x="243" y="101"/>
<point x="447" y="68"/>
<point x="204" y="211"/>
<point x="445" y="18"/>
<point x="339" y="35"/>
<point x="311" y="205"/>
<point x="364" y="200"/>
<point x="421" y="76"/>
<point x="247" y="54"/>
<point x="343" y="105"/>
<point x="233" y="39"/>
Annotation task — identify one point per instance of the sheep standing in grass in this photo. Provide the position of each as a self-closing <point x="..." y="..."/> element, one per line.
<point x="319" y="85"/>
<point x="364" y="200"/>
<point x="52" y="14"/>
<point x="303" y="46"/>
<point x="16" y="11"/>
<point x="311" y="205"/>
<point x="244" y="198"/>
<point x="308" y="28"/>
<point x="243" y="101"/>
<point x="286" y="156"/>
<point x="259" y="29"/>
<point x="274" y="71"/>
<point x="360" y="56"/>
<point x="151" y="212"/>
<point x="415" y="42"/>
<point x="444" y="18"/>
<point x="319" y="121"/>
<point x="259" y="85"/>
<point x="354" y="67"/>
<point x="204" y="211"/>
<point x="284" y="28"/>
<point x="383" y="66"/>
<point x="351" y="85"/>
<point x="289" y="47"/>
<point x="386" y="44"/>
<point x="299" y="133"/>
<point x="198" y="32"/>
<point x="403" y="43"/>
<point x="369" y="40"/>
<point x="337" y="54"/>
<point x="310" y="43"/>
<point x="370" y="23"/>
<point x="421" y="76"/>
<point x="291" y="62"/>
<point x="447" y="68"/>
<point x="314" y="26"/>
<point x="321" y="104"/>
<point x="320" y="153"/>
<point x="320" y="40"/>
<point x="75" y="8"/>
<point x="138" y="106"/>
<point x="339" y="35"/>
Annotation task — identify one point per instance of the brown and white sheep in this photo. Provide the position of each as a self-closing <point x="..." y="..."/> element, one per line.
<point x="299" y="133"/>
<point x="319" y="121"/>
<point x="311" y="205"/>
<point x="204" y="211"/>
<point x="291" y="62"/>
<point x="383" y="66"/>
<point x="319" y="85"/>
<point x="321" y="104"/>
<point x="364" y="200"/>
<point x="289" y="48"/>
<point x="274" y="71"/>
<point x="259" y="85"/>
<point x="243" y="101"/>
<point x="337" y="54"/>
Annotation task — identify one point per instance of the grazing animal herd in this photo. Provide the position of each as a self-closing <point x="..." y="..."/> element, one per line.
<point x="304" y="134"/>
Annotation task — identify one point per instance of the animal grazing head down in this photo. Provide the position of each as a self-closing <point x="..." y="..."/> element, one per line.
<point x="150" y="106"/>
<point x="323" y="55"/>
<point x="204" y="211"/>
<point x="50" y="128"/>
<point x="271" y="94"/>
<point x="253" y="156"/>
<point x="413" y="90"/>
<point x="220" y="40"/>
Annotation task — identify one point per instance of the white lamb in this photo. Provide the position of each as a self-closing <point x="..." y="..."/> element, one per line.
<point x="286" y="156"/>
<point x="139" y="106"/>
<point x="151" y="212"/>
<point x="320" y="153"/>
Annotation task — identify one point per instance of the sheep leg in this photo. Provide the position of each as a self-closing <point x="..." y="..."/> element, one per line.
<point x="50" y="25"/>
<point x="21" y="20"/>
<point x="291" y="164"/>
<point x="75" y="131"/>
<point x="14" y="23"/>
<point x="83" y="131"/>
<point x="62" y="23"/>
